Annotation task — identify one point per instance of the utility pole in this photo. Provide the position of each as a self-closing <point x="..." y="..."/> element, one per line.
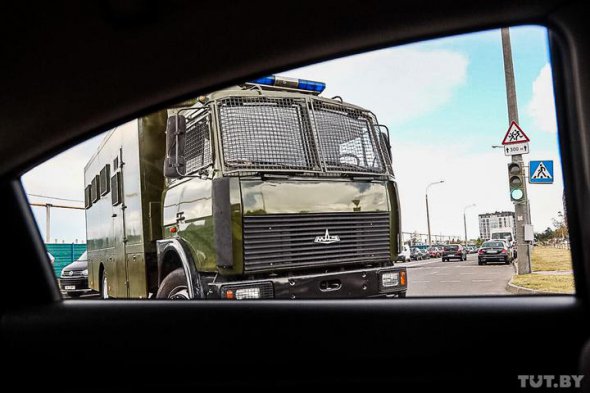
<point x="48" y="207"/>
<point x="465" y="220"/>
<point x="521" y="209"/>
<point x="47" y="223"/>
<point x="428" y="211"/>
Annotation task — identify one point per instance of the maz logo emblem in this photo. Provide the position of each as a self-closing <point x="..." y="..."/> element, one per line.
<point x="327" y="238"/>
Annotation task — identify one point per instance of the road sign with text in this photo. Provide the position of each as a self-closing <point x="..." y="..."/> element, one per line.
<point x="512" y="150"/>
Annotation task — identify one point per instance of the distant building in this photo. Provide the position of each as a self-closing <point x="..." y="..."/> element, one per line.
<point x="496" y="222"/>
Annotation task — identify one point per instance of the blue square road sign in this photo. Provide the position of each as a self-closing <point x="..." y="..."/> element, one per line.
<point x="541" y="172"/>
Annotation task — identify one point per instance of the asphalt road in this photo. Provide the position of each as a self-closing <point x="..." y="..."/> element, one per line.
<point x="432" y="277"/>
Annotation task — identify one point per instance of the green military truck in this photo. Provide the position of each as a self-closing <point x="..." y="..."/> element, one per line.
<point x="264" y="190"/>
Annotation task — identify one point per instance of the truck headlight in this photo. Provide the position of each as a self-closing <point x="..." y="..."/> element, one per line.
<point x="247" y="293"/>
<point x="242" y="293"/>
<point x="85" y="272"/>
<point x="390" y="279"/>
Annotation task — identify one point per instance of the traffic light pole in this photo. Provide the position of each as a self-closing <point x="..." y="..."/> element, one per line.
<point x="521" y="209"/>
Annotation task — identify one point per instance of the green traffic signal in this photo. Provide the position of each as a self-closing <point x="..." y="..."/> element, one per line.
<point x="516" y="181"/>
<point x="516" y="194"/>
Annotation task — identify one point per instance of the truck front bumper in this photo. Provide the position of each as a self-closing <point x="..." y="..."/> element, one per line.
<point x="361" y="283"/>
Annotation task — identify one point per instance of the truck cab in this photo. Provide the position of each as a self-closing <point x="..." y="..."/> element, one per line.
<point x="270" y="190"/>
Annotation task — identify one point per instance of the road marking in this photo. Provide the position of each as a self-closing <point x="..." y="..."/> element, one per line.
<point x="481" y="280"/>
<point x="451" y="281"/>
<point x="465" y="273"/>
<point x="416" y="281"/>
<point x="442" y="274"/>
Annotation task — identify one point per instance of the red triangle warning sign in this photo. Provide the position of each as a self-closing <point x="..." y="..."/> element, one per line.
<point x="514" y="135"/>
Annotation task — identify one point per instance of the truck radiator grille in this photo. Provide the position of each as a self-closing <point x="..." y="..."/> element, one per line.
<point x="285" y="241"/>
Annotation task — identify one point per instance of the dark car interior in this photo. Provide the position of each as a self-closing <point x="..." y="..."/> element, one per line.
<point x="74" y="69"/>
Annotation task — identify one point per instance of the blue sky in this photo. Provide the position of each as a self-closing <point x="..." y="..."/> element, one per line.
<point x="479" y="105"/>
<point x="445" y="104"/>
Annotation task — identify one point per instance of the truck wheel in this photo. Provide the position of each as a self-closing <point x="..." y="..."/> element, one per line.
<point x="401" y="294"/>
<point x="174" y="286"/>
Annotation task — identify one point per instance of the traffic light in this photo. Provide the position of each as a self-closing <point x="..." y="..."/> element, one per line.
<point x="516" y="181"/>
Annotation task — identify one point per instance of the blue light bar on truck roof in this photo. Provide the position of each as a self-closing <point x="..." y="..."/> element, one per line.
<point x="292" y="83"/>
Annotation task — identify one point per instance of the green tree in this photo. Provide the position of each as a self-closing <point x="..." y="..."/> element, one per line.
<point x="560" y="225"/>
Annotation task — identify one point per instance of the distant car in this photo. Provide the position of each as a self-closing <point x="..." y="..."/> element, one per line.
<point x="416" y="254"/>
<point x="434" y="252"/>
<point x="494" y="251"/>
<point x="73" y="280"/>
<point x="471" y="249"/>
<point x="405" y="255"/>
<point x="454" y="251"/>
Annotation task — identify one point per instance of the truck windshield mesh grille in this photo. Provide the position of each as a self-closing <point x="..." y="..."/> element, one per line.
<point x="347" y="139"/>
<point x="266" y="133"/>
<point x="197" y="140"/>
<point x="298" y="135"/>
<point x="197" y="143"/>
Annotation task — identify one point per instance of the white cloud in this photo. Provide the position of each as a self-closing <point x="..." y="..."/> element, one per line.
<point x="397" y="84"/>
<point x="542" y="105"/>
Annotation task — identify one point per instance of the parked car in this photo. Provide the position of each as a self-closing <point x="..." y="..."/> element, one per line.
<point x="51" y="258"/>
<point x="405" y="255"/>
<point x="434" y="252"/>
<point x="73" y="280"/>
<point x="454" y="251"/>
<point x="416" y="254"/>
<point x="494" y="251"/>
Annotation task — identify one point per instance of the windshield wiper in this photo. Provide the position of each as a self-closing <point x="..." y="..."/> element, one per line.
<point x="276" y="169"/>
<point x="338" y="165"/>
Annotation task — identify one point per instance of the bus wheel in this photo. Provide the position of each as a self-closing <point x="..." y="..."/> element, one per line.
<point x="174" y="286"/>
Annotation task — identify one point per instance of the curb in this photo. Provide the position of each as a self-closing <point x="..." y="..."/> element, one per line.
<point x="522" y="290"/>
<point x="510" y="287"/>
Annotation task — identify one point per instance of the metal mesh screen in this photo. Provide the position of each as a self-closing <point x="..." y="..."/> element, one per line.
<point x="266" y="133"/>
<point x="197" y="143"/>
<point x="348" y="142"/>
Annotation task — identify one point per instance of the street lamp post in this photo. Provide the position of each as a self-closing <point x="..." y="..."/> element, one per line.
<point x="465" y="220"/>
<point x="428" y="211"/>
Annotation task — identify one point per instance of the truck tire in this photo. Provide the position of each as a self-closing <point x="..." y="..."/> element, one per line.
<point x="174" y="286"/>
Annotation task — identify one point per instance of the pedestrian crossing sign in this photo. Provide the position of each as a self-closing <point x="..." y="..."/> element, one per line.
<point x="541" y="172"/>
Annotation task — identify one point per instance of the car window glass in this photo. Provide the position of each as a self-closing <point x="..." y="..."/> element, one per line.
<point x="412" y="171"/>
